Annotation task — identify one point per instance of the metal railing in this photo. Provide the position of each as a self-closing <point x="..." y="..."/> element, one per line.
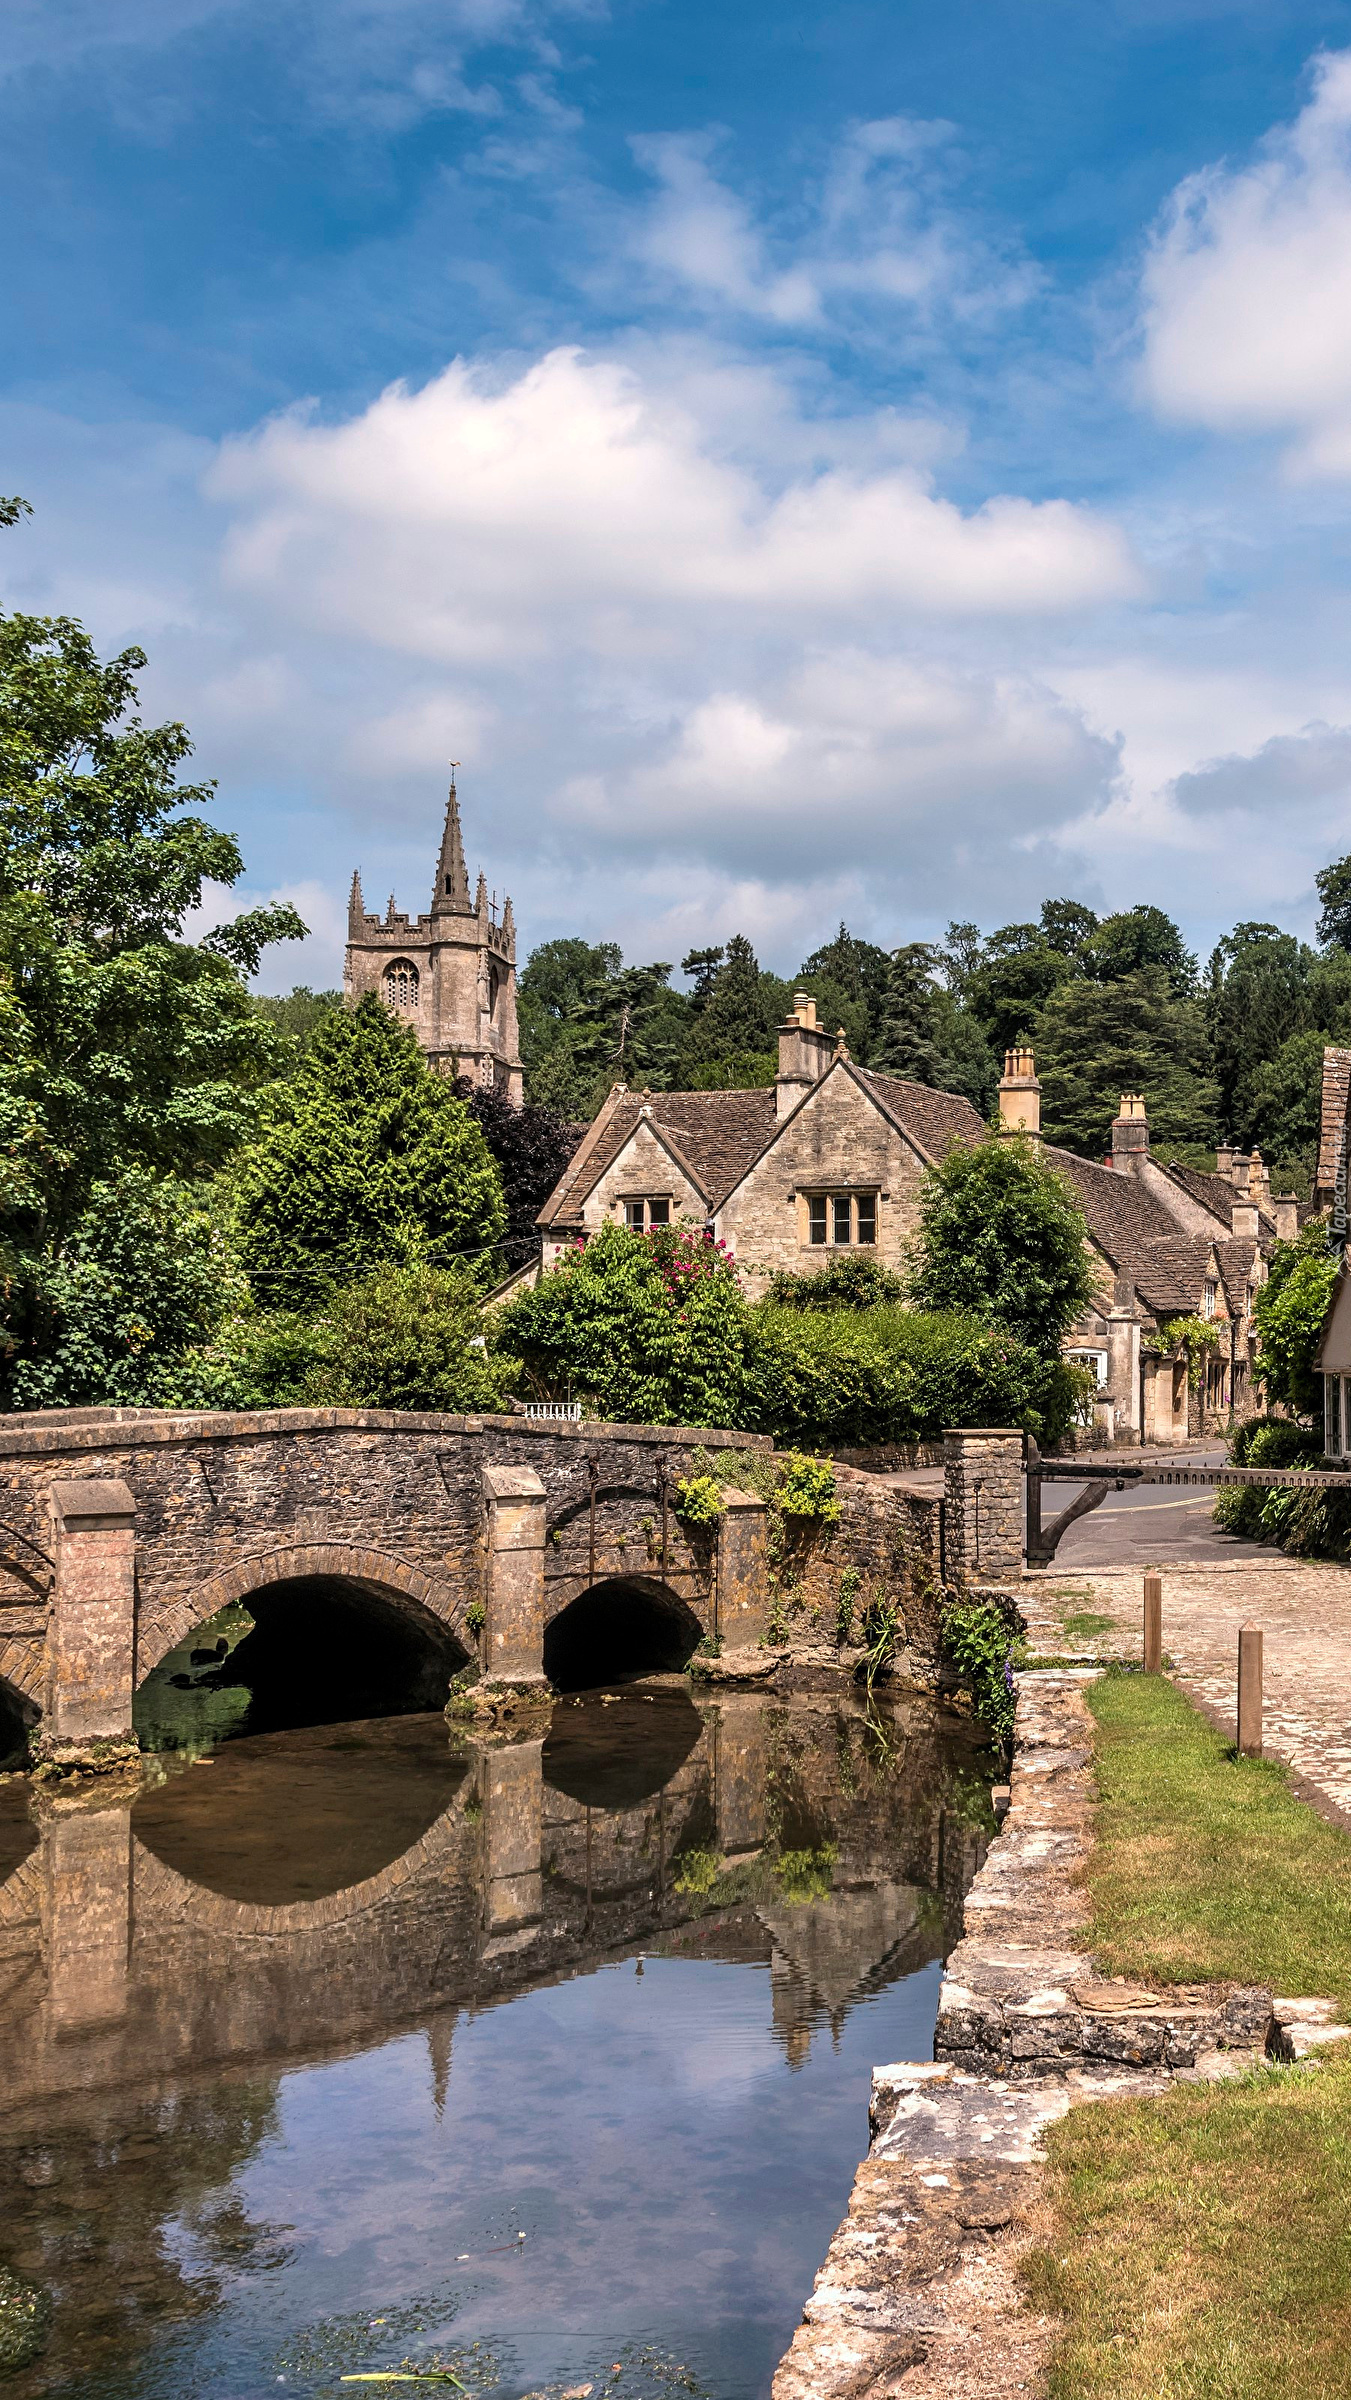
<point x="554" y="1412"/>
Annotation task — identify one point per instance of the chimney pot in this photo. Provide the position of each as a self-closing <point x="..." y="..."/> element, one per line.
<point x="1020" y="1093"/>
<point x="1286" y="1209"/>
<point x="1130" y="1134"/>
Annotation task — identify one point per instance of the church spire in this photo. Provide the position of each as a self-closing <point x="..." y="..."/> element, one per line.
<point x="452" y="879"/>
<point x="356" y="909"/>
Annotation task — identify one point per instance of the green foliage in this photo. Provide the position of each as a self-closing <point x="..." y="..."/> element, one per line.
<point x="1259" y="996"/>
<point x="846" y="1596"/>
<point x="829" y="1379"/>
<point x="296" y="1014"/>
<point x="1095" y="1041"/>
<point x="983" y="1649"/>
<point x="476" y="1616"/>
<point x="1275" y="1442"/>
<point x="807" y="1490"/>
<point x="1334" y="891"/>
<point x="735" y="1020"/>
<point x="1307" y="1524"/>
<point x="647" y="1328"/>
<point x="699" y="1500"/>
<point x="1002" y="1236"/>
<point x="849" y="1279"/>
<point x="806" y="1875"/>
<point x="403" y="1337"/>
<point x="1288" y="1312"/>
<point x="365" y="1157"/>
<point x="858" y="971"/>
<point x="1195" y="1335"/>
<point x="1282" y="1106"/>
<point x="745" y="1071"/>
<point x="125" y="1050"/>
<point x="1137" y="939"/>
<point x="586" y="1021"/>
<point x="144" y="1275"/>
<point x="530" y="1147"/>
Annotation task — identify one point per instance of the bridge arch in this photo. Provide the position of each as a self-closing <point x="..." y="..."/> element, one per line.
<point x="338" y="1632"/>
<point x="623" y="1625"/>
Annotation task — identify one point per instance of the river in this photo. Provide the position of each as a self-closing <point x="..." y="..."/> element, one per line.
<point x="540" y="2064"/>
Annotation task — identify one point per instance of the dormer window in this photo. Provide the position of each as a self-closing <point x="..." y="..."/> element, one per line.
<point x="401" y="985"/>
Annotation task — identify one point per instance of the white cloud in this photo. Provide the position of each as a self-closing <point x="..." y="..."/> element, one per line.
<point x="576" y="508"/>
<point x="316" y="961"/>
<point x="881" y="228"/>
<point x="1246" y="322"/>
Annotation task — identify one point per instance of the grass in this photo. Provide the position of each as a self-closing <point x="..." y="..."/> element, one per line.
<point x="1198" y="2247"/>
<point x="1086" y="1624"/>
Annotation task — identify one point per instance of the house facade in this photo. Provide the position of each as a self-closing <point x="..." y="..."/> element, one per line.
<point x="451" y="974"/>
<point x="833" y="1157"/>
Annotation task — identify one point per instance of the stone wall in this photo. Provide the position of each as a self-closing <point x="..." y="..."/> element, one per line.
<point x="838" y="1141"/>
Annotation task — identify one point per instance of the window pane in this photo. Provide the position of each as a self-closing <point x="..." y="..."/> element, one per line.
<point x="659" y="1212"/>
<point x="633" y="1215"/>
<point x="867" y="1217"/>
<point x="840" y="1207"/>
<point x="816" y="1218"/>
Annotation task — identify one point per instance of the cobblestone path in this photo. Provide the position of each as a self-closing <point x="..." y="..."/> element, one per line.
<point x="1304" y="1612"/>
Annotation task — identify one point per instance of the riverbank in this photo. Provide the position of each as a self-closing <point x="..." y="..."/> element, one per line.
<point x="1108" y="1959"/>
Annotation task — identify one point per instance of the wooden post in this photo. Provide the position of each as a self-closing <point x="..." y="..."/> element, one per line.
<point x="1153" y="1624"/>
<point x="1250" y="1691"/>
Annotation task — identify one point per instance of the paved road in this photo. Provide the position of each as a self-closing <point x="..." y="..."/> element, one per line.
<point x="1151" y="1525"/>
<point x="1146" y="1526"/>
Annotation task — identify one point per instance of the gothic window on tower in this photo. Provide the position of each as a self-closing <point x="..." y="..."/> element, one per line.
<point x="401" y="981"/>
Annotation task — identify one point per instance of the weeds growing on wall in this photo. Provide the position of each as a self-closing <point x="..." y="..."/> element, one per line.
<point x="984" y="1649"/>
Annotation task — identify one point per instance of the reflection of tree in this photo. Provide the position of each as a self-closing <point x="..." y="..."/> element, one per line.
<point x="87" y="2214"/>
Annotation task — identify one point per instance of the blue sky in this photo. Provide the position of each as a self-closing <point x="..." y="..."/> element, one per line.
<point x="879" y="462"/>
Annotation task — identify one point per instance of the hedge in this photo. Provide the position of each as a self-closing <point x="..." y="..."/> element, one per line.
<point x="857" y="1378"/>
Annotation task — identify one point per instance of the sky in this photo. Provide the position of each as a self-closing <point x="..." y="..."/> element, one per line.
<point x="875" y="462"/>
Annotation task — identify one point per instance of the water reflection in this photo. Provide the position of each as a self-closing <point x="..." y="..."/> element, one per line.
<point x="291" y="2030"/>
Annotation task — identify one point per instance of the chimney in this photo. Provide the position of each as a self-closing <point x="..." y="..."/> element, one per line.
<point x="805" y="1052"/>
<point x="1286" y="1208"/>
<point x="1259" y="1180"/>
<point x="1245" y="1218"/>
<point x="1020" y="1094"/>
<point x="1130" y="1135"/>
<point x="1224" y="1161"/>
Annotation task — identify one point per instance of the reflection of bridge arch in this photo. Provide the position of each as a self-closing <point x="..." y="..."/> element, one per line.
<point x="422" y="1597"/>
<point x="161" y="1892"/>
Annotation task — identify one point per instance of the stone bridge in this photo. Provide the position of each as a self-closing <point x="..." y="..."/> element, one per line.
<point x="436" y="1540"/>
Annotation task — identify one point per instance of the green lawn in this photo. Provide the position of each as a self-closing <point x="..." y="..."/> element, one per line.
<point x="1198" y="2247"/>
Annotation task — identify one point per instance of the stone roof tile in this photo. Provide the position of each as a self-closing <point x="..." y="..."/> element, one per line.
<point x="715" y="1135"/>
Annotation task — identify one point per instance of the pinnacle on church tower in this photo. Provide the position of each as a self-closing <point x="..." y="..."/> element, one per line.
<point x="356" y="909"/>
<point x="452" y="876"/>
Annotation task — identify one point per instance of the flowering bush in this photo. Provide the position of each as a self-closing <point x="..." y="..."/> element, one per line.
<point x="648" y="1328"/>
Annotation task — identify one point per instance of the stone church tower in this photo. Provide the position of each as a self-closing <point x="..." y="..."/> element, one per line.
<point x="451" y="974"/>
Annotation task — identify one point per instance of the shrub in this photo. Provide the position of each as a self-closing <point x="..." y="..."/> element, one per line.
<point x="651" y="1329"/>
<point x="1003" y="1236"/>
<point x="850" y="1280"/>
<point x="699" y="1500"/>
<point x="826" y="1378"/>
<point x="807" y="1490"/>
<point x="980" y="1644"/>
<point x="1289" y="1312"/>
<point x="1274" y="1442"/>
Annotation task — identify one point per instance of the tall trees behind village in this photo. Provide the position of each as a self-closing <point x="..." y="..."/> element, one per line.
<point x="1226" y="1051"/>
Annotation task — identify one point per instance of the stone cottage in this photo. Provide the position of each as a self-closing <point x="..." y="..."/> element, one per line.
<point x="832" y="1158"/>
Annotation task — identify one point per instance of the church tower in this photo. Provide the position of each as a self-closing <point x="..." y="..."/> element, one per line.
<point x="451" y="974"/>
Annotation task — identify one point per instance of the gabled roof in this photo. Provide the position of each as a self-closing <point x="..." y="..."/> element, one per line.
<point x="1237" y="1260"/>
<point x="712" y="1136"/>
<point x="933" y="1120"/>
<point x="1218" y="1194"/>
<point x="1167" y="1268"/>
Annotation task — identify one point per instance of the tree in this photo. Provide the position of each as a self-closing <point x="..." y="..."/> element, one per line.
<point x="1002" y="1236"/>
<point x="531" y="1147"/>
<point x="1098" y="1040"/>
<point x="365" y="1157"/>
<point x="1258" y="996"/>
<point x="1334" y="891"/>
<point x="411" y="1337"/>
<point x="588" y="1021"/>
<point x="850" y="977"/>
<point x="905" y="1043"/>
<point x="126" y="1051"/>
<point x="734" y="1020"/>
<point x="1284" y="1111"/>
<point x="1068" y="926"/>
<point x="649" y="1328"/>
<point x="296" y="1014"/>
<point x="1289" y="1313"/>
<point x="1008" y="988"/>
<point x="1136" y="938"/>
